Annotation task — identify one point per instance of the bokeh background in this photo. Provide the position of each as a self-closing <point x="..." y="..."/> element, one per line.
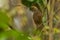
<point x="29" y="19"/>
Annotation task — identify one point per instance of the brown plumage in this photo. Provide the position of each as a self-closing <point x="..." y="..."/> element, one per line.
<point x="37" y="17"/>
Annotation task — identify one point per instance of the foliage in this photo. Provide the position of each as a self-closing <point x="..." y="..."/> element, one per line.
<point x="29" y="3"/>
<point x="10" y="34"/>
<point x="4" y="19"/>
<point x="5" y="33"/>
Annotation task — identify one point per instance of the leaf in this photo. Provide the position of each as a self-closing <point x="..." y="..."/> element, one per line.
<point x="56" y="30"/>
<point x="4" y="19"/>
<point x="30" y="0"/>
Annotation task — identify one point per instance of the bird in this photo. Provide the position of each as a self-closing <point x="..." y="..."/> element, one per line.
<point x="37" y="17"/>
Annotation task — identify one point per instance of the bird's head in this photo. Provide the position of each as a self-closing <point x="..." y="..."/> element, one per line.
<point x="34" y="8"/>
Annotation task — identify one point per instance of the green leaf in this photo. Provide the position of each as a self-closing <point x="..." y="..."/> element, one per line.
<point x="4" y="19"/>
<point x="30" y="0"/>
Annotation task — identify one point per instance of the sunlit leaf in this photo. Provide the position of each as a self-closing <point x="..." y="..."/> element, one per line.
<point x="56" y="30"/>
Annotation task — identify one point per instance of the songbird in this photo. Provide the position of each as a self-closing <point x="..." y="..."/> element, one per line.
<point x="37" y="17"/>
